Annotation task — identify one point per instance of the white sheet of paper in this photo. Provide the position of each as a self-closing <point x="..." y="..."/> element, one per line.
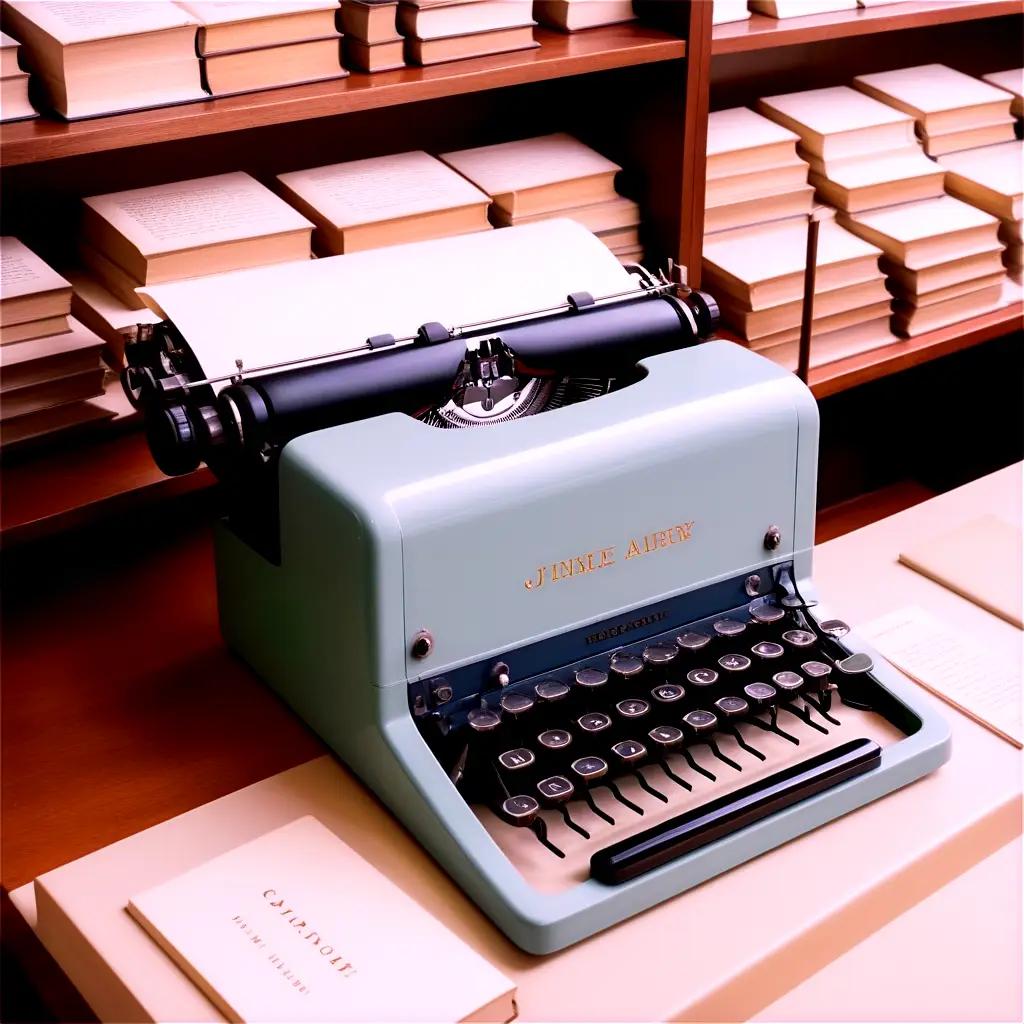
<point x="312" y="308"/>
<point x="951" y="666"/>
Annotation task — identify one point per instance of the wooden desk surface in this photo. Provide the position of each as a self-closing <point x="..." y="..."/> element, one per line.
<point x="122" y="707"/>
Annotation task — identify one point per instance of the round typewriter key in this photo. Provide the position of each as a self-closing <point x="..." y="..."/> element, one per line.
<point x="516" y="703"/>
<point x="798" y="637"/>
<point x="589" y="768"/>
<point x="626" y="666"/>
<point x="855" y="664"/>
<point x="702" y="677"/>
<point x="557" y="789"/>
<point x="668" y="693"/>
<point x="768" y="649"/>
<point x="632" y="708"/>
<point x="483" y="720"/>
<point x="550" y="690"/>
<point x="834" y="628"/>
<point x="692" y="641"/>
<point x="513" y="760"/>
<point x="788" y="682"/>
<point x="815" y="669"/>
<point x="666" y="736"/>
<point x="520" y="810"/>
<point x="594" y="721"/>
<point x="591" y="678"/>
<point x="766" y="614"/>
<point x="732" y="707"/>
<point x="554" y="739"/>
<point x="660" y="655"/>
<point x="759" y="694"/>
<point x="734" y="662"/>
<point x="728" y="627"/>
<point x="629" y="751"/>
<point x="700" y="722"/>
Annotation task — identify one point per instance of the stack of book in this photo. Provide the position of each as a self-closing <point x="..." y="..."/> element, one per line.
<point x="725" y="11"/>
<point x="103" y="57"/>
<point x="188" y="229"/>
<point x="49" y="363"/>
<point x="953" y="111"/>
<point x="757" y="276"/>
<point x="800" y="8"/>
<point x="574" y="15"/>
<point x="387" y="200"/>
<point x="992" y="178"/>
<point x="442" y="30"/>
<point x="1013" y="82"/>
<point x="942" y="257"/>
<point x="754" y="174"/>
<point x="248" y="45"/>
<point x="863" y="153"/>
<point x="372" y="40"/>
<point x="554" y="176"/>
<point x="14" y="101"/>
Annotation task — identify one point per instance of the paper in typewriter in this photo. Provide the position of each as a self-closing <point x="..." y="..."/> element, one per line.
<point x="311" y="308"/>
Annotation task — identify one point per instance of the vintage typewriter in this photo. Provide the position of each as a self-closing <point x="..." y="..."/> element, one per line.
<point x="577" y="651"/>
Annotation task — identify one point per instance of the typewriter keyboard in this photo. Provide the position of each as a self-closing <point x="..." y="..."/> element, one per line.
<point x="610" y="768"/>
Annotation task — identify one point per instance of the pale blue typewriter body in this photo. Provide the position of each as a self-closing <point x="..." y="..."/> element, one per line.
<point x="390" y="527"/>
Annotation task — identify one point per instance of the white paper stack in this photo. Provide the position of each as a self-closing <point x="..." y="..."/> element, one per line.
<point x="437" y="31"/>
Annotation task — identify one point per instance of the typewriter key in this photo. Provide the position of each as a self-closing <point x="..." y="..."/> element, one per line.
<point x="728" y="627"/>
<point x="692" y="641"/>
<point x="554" y="739"/>
<point x="766" y="614"/>
<point x="759" y="694"/>
<point x="515" y="760"/>
<point x="855" y="664"/>
<point x="816" y="670"/>
<point x="700" y="722"/>
<point x="834" y="628"/>
<point x="660" y="656"/>
<point x="768" y="649"/>
<point x="594" y="721"/>
<point x="798" y="637"/>
<point x="734" y="662"/>
<point x="590" y="768"/>
<point x="763" y="695"/>
<point x="668" y="693"/>
<point x="626" y="666"/>
<point x="550" y="690"/>
<point x="515" y="704"/>
<point x="591" y="678"/>
<point x="631" y="754"/>
<point x="667" y="738"/>
<point x="818" y="673"/>
<point x="557" y="791"/>
<point x="788" y="682"/>
<point x="732" y="707"/>
<point x="633" y="708"/>
<point x="520" y="810"/>
<point x="483" y="720"/>
<point x="702" y="677"/>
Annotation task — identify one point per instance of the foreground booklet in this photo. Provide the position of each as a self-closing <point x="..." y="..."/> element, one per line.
<point x="296" y="926"/>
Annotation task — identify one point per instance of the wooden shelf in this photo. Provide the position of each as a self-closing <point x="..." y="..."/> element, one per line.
<point x="761" y="32"/>
<point x="558" y="56"/>
<point x="54" y="490"/>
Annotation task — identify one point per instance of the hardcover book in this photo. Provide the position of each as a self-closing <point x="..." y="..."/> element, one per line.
<point x="295" y="926"/>
<point x="227" y="25"/>
<point x="741" y="141"/>
<point x="991" y="178"/>
<point x="573" y="15"/>
<point x="30" y="289"/>
<point x="1013" y="82"/>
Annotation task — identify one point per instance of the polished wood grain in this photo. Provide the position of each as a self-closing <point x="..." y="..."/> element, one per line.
<point x="558" y="56"/>
<point x="761" y="32"/>
<point x="694" y="170"/>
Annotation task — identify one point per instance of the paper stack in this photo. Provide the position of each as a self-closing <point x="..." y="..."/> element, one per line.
<point x="1013" y="82"/>
<point x="942" y="257"/>
<point x="248" y="45"/>
<point x="14" y="102"/>
<point x="49" y="363"/>
<point x="372" y="40"/>
<point x="952" y="111"/>
<point x="107" y="56"/>
<point x="442" y="30"/>
<point x="188" y="229"/>
<point x="800" y="8"/>
<point x="753" y="172"/>
<point x="757" y="276"/>
<point x="725" y="11"/>
<point x="554" y="176"/>
<point x="863" y="153"/>
<point x="573" y="15"/>
<point x="387" y="200"/>
<point x="992" y="178"/>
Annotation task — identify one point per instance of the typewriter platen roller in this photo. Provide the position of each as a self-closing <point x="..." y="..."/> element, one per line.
<point x="578" y="652"/>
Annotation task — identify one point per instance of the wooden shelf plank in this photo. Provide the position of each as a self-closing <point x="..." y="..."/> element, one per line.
<point x="558" y="56"/>
<point x="761" y="32"/>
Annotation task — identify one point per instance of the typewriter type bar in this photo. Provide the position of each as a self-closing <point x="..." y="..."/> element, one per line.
<point x="702" y="825"/>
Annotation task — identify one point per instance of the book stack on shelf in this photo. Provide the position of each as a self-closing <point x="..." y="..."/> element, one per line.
<point x="952" y="111"/>
<point x="862" y="153"/>
<point x="437" y="31"/>
<point x="387" y="200"/>
<point x="372" y="40"/>
<point x="575" y="15"/>
<point x="49" y="362"/>
<point x="14" y="101"/>
<point x="248" y="45"/>
<point x="757" y="276"/>
<point x="725" y="11"/>
<point x="928" y="246"/>
<point x="1013" y="82"/>
<point x="105" y="57"/>
<point x="800" y="8"/>
<point x="754" y="174"/>
<point x="187" y="229"/>
<point x="992" y="178"/>
<point x="554" y="176"/>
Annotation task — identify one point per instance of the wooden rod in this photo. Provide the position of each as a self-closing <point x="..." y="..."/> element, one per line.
<point x="803" y="365"/>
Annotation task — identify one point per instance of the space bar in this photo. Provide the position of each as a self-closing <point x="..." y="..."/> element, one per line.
<point x="702" y="825"/>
